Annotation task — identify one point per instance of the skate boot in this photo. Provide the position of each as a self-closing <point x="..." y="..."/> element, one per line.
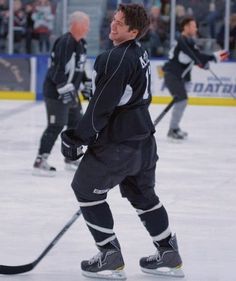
<point x="42" y="168"/>
<point x="183" y="133"/>
<point x="166" y="262"/>
<point x="107" y="264"/>
<point x="177" y="134"/>
<point x="71" y="165"/>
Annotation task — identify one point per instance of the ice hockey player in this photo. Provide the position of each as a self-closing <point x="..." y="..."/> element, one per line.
<point x="61" y="85"/>
<point x="121" y="150"/>
<point x="177" y="71"/>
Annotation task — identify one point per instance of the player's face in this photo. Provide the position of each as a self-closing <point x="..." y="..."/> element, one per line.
<point x="191" y="28"/>
<point x="80" y="29"/>
<point x="120" y="31"/>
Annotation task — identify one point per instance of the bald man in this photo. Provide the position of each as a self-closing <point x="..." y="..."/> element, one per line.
<point x="63" y="79"/>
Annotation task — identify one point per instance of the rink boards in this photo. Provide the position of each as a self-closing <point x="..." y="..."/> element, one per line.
<point x="22" y="79"/>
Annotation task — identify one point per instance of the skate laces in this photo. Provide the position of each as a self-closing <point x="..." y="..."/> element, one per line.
<point x="44" y="164"/>
<point x="97" y="258"/>
<point x="156" y="257"/>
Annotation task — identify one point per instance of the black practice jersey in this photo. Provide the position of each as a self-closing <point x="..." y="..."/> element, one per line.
<point x="118" y="110"/>
<point x="183" y="55"/>
<point x="68" y="59"/>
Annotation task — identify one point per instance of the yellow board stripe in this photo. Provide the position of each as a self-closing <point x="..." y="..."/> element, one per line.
<point x="198" y="101"/>
<point x="10" y="95"/>
<point x="22" y="95"/>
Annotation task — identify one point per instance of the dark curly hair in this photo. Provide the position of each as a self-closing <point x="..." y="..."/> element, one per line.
<point x="136" y="17"/>
<point x="185" y="21"/>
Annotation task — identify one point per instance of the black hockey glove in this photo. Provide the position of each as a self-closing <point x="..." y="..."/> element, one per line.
<point x="67" y="93"/>
<point x="87" y="90"/>
<point x="69" y="145"/>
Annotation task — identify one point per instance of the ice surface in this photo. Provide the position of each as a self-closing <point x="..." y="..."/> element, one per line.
<point x="195" y="179"/>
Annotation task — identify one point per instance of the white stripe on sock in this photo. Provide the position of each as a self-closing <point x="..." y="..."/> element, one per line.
<point x="99" y="228"/>
<point x="161" y="236"/>
<point x="109" y="239"/>
<point x="93" y="203"/>
<point x="140" y="212"/>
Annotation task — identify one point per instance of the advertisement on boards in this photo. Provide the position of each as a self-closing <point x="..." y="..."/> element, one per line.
<point x="15" y="74"/>
<point x="203" y="83"/>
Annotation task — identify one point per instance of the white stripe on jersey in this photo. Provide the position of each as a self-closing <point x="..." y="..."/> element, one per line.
<point x="70" y="67"/>
<point x="126" y="96"/>
<point x="184" y="58"/>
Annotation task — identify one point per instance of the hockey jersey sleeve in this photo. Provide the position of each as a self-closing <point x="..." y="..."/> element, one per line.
<point x="188" y="46"/>
<point x="63" y="61"/>
<point x="80" y="75"/>
<point x="110" y="84"/>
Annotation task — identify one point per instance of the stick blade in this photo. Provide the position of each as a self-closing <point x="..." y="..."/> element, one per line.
<point x="10" y="270"/>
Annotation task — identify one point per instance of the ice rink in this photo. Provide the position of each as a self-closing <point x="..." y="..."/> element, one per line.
<point x="195" y="180"/>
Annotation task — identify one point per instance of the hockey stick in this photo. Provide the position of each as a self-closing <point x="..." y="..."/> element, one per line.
<point x="9" y="270"/>
<point x="163" y="113"/>
<point x="218" y="79"/>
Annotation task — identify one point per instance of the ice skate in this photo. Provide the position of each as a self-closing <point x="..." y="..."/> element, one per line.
<point x="166" y="262"/>
<point x="42" y="168"/>
<point x="71" y="165"/>
<point x="107" y="264"/>
<point x="177" y="134"/>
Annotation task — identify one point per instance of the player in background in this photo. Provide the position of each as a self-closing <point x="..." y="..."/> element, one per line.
<point x="177" y="71"/>
<point x="61" y="85"/>
<point x="121" y="150"/>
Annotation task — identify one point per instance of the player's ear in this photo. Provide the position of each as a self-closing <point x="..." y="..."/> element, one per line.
<point x="134" y="32"/>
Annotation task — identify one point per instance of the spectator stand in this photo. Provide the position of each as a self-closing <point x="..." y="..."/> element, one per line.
<point x="3" y="24"/>
<point x="43" y="18"/>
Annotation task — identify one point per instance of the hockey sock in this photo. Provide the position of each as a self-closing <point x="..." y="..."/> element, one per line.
<point x="156" y="222"/>
<point x="49" y="138"/>
<point x="99" y="220"/>
<point x="163" y="243"/>
<point x="114" y="244"/>
<point x="177" y="113"/>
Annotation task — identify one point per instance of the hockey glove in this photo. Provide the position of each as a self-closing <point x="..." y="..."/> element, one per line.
<point x="69" y="145"/>
<point x="67" y="93"/>
<point x="87" y="90"/>
<point x="221" y="55"/>
<point x="205" y="66"/>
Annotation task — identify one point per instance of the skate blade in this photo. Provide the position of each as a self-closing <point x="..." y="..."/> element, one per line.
<point x="172" y="140"/>
<point x="165" y="271"/>
<point x="70" y="167"/>
<point x="43" y="173"/>
<point x="106" y="274"/>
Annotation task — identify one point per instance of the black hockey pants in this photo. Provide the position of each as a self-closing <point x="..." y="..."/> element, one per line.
<point x="176" y="86"/>
<point x="58" y="116"/>
<point x="130" y="165"/>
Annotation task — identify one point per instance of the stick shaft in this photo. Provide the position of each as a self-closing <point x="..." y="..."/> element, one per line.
<point x="220" y="81"/>
<point x="9" y="270"/>
<point x="163" y="113"/>
<point x="217" y="78"/>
